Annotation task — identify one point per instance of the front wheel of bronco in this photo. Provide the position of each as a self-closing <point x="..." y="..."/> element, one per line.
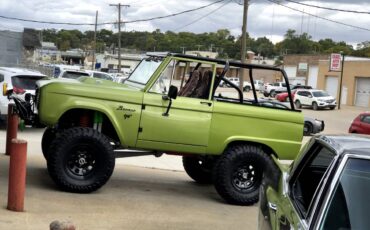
<point x="199" y="168"/>
<point x="238" y="173"/>
<point x="48" y="136"/>
<point x="80" y="160"/>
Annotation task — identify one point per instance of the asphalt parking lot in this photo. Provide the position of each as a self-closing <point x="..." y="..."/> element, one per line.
<point x="143" y="193"/>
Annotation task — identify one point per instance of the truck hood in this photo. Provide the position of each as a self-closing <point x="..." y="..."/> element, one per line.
<point x="82" y="80"/>
<point x="91" y="88"/>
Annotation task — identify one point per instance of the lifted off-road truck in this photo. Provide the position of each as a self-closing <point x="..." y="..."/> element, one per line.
<point x="170" y="104"/>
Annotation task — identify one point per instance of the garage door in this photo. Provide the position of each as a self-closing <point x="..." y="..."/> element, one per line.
<point x="332" y="85"/>
<point x="291" y="71"/>
<point x="312" y="76"/>
<point x="362" y="91"/>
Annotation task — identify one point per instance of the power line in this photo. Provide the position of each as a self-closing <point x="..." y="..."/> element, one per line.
<point x="206" y="15"/>
<point x="170" y="15"/>
<point x="329" y="8"/>
<point x="330" y="20"/>
<point x="109" y="23"/>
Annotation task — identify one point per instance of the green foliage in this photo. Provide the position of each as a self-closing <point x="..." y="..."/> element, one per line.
<point x="221" y="41"/>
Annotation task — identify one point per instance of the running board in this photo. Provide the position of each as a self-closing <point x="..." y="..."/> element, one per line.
<point x="134" y="153"/>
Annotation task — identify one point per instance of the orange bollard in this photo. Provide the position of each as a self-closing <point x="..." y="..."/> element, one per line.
<point x="17" y="175"/>
<point x="12" y="128"/>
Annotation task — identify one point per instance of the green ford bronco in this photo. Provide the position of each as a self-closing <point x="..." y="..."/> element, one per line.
<point x="170" y="104"/>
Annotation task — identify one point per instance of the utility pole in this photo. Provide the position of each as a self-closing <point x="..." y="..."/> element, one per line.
<point x="341" y="80"/>
<point x="183" y="49"/>
<point x="244" y="42"/>
<point x="198" y="47"/>
<point x="119" y="5"/>
<point x="96" y="27"/>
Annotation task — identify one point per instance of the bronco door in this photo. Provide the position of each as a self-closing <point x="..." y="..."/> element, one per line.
<point x="186" y="126"/>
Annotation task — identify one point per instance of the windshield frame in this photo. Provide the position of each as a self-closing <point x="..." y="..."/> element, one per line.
<point x="151" y="59"/>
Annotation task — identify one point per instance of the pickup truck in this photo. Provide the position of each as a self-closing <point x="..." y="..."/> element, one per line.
<point x="274" y="88"/>
<point x="170" y="104"/>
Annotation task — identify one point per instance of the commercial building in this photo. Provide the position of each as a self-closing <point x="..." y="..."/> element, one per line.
<point x="355" y="82"/>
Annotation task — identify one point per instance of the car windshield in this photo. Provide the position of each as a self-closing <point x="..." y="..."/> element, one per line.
<point x="144" y="71"/>
<point x="320" y="94"/>
<point x="73" y="74"/>
<point x="26" y="82"/>
<point x="350" y="205"/>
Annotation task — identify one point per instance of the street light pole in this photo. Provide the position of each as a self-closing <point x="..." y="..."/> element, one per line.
<point x="244" y="41"/>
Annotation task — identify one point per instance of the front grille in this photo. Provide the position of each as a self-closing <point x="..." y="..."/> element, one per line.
<point x="330" y="101"/>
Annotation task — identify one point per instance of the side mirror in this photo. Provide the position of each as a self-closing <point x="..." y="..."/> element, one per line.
<point x="172" y="94"/>
<point x="310" y="96"/>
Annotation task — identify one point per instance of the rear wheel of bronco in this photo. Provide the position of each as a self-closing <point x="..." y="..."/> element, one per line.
<point x="238" y="173"/>
<point x="199" y="168"/>
<point x="80" y="160"/>
<point x="48" y="136"/>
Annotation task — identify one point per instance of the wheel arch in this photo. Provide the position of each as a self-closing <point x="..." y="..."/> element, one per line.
<point x="267" y="149"/>
<point x="84" y="117"/>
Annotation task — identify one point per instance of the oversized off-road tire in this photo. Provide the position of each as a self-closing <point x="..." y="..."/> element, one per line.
<point x="297" y="104"/>
<point x="307" y="129"/>
<point x="80" y="160"/>
<point x="266" y="94"/>
<point x="238" y="173"/>
<point x="199" y="168"/>
<point x="48" y="137"/>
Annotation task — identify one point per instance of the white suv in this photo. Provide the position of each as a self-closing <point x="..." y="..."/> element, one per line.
<point x="314" y="98"/>
<point x="21" y="80"/>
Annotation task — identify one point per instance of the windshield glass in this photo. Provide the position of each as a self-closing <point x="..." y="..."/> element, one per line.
<point x="349" y="207"/>
<point x="144" y="71"/>
<point x="320" y="94"/>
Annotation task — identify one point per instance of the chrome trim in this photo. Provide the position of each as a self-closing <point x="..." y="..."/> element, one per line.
<point x="334" y="183"/>
<point x="272" y="206"/>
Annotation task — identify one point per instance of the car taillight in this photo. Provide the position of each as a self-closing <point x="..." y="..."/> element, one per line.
<point x="18" y="90"/>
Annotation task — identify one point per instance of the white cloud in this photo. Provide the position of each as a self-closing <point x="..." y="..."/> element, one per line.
<point x="264" y="18"/>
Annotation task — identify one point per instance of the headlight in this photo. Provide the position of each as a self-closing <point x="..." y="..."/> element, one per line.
<point x="321" y="100"/>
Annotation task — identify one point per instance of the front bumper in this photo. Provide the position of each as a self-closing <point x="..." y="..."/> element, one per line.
<point x="324" y="104"/>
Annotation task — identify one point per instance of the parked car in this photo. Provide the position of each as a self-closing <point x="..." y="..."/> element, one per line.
<point x="235" y="80"/>
<point x="361" y="124"/>
<point x="21" y="81"/>
<point x="312" y="126"/>
<point x="100" y="75"/>
<point x="274" y="88"/>
<point x="326" y="187"/>
<point x="282" y="97"/>
<point x="300" y="87"/>
<point x="258" y="85"/>
<point x="72" y="74"/>
<point x="317" y="99"/>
